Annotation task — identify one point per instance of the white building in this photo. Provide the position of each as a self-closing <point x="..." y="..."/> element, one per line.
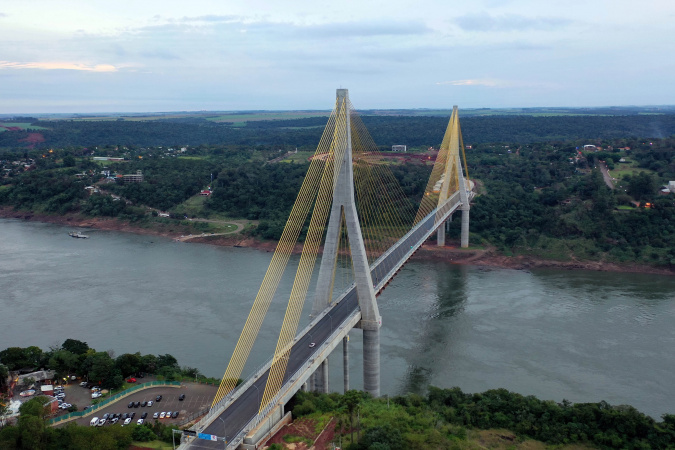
<point x="399" y="148"/>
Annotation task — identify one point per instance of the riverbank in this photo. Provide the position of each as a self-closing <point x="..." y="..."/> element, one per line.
<point x="489" y="257"/>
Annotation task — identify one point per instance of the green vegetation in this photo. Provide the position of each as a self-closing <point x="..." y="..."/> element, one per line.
<point x="445" y="417"/>
<point x="542" y="196"/>
<point x="32" y="433"/>
<point x="76" y="358"/>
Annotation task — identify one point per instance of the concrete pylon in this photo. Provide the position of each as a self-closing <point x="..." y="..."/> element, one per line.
<point x="345" y="361"/>
<point x="453" y="171"/>
<point x="344" y="204"/>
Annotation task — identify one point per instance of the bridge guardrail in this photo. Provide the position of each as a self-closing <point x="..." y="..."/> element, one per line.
<point x="107" y="401"/>
<point x="450" y="205"/>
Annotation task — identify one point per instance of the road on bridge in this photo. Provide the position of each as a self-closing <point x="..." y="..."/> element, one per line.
<point x="233" y="419"/>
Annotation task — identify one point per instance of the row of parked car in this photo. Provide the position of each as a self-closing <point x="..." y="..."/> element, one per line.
<point x="126" y="418"/>
<point x="60" y="395"/>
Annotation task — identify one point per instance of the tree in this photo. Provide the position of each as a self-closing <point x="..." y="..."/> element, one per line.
<point x="641" y="186"/>
<point x="75" y="346"/>
<point x="16" y="358"/>
<point x="4" y="375"/>
<point x="128" y="363"/>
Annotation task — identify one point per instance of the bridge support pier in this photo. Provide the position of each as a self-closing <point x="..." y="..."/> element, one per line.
<point x="345" y="361"/>
<point x="371" y="361"/>
<point x="440" y="235"/>
<point x="465" y="227"/>
<point x="324" y="377"/>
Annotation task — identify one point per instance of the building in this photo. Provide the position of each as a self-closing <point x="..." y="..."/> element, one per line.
<point x="133" y="178"/>
<point x="399" y="148"/>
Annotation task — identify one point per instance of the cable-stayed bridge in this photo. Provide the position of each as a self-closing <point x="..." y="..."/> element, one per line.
<point x="366" y="222"/>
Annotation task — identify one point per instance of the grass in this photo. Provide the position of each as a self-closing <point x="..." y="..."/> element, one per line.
<point x="152" y="444"/>
<point x="22" y="125"/>
<point x="298" y="157"/>
<point x="192" y="206"/>
<point x="194" y="158"/>
<point x="268" y="115"/>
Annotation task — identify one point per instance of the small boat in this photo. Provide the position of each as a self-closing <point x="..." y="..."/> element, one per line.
<point x="77" y="234"/>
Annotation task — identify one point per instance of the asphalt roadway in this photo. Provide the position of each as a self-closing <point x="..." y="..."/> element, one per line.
<point x="231" y="421"/>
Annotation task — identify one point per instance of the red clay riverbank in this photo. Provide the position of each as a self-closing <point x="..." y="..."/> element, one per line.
<point x="480" y="257"/>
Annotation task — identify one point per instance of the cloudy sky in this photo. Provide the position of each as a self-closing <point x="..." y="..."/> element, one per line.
<point x="168" y="55"/>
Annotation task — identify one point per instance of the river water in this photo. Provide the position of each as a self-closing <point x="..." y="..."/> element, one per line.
<point x="576" y="335"/>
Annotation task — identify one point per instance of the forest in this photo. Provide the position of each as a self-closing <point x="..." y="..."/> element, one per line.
<point x="447" y="418"/>
<point x="545" y="198"/>
<point x="414" y="131"/>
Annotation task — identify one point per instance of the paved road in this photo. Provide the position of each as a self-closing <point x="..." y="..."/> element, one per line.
<point x="242" y="410"/>
<point x="605" y="175"/>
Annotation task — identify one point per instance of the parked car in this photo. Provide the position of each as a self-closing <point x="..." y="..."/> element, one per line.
<point x="137" y="404"/>
<point x="96" y="395"/>
<point x="144" y="415"/>
<point x="158" y="398"/>
<point x="144" y="404"/>
<point x="130" y="405"/>
<point x="101" y="423"/>
<point x="83" y="384"/>
<point x="181" y="397"/>
<point x="150" y="403"/>
<point x="132" y="415"/>
<point x="93" y="421"/>
<point x="139" y="422"/>
<point x="125" y="415"/>
<point x="162" y="415"/>
<point x="114" y="420"/>
<point x="155" y="415"/>
<point x="127" y="421"/>
<point x="131" y="380"/>
<point x="174" y="414"/>
<point x="106" y="415"/>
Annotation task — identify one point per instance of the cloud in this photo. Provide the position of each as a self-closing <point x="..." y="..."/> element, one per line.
<point x="508" y="22"/>
<point x="3" y="15"/>
<point x="160" y="54"/>
<point x="363" y="29"/>
<point x="474" y="82"/>
<point x="212" y="18"/>
<point x="58" y="66"/>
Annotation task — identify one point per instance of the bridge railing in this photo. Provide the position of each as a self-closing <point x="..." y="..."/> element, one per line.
<point x="441" y="214"/>
<point x="241" y="434"/>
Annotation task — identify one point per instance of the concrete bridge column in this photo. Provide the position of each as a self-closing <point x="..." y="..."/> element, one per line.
<point x="371" y="361"/>
<point x="440" y="235"/>
<point x="345" y="361"/>
<point x="465" y="227"/>
<point x="312" y="382"/>
<point x="324" y="377"/>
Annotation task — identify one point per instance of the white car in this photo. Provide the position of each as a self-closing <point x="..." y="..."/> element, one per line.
<point x="127" y="421"/>
<point x="96" y="395"/>
<point x="150" y="403"/>
<point x="93" y="421"/>
<point x="162" y="415"/>
<point x="139" y="421"/>
<point x="101" y="423"/>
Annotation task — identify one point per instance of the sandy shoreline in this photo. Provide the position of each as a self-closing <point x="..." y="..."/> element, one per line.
<point x="478" y="257"/>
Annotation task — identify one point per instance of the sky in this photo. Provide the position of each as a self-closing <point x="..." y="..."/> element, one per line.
<point x="71" y="56"/>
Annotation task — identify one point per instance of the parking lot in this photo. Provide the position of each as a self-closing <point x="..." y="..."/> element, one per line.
<point x="197" y="397"/>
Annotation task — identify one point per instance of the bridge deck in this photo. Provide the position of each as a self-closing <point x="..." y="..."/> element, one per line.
<point x="239" y="412"/>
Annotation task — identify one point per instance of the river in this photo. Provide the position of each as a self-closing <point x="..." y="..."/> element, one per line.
<point x="576" y="335"/>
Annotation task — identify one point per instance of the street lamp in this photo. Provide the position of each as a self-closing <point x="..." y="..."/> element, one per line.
<point x="224" y="432"/>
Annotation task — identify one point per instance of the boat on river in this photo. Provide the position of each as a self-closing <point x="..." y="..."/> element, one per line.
<point x="78" y="235"/>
